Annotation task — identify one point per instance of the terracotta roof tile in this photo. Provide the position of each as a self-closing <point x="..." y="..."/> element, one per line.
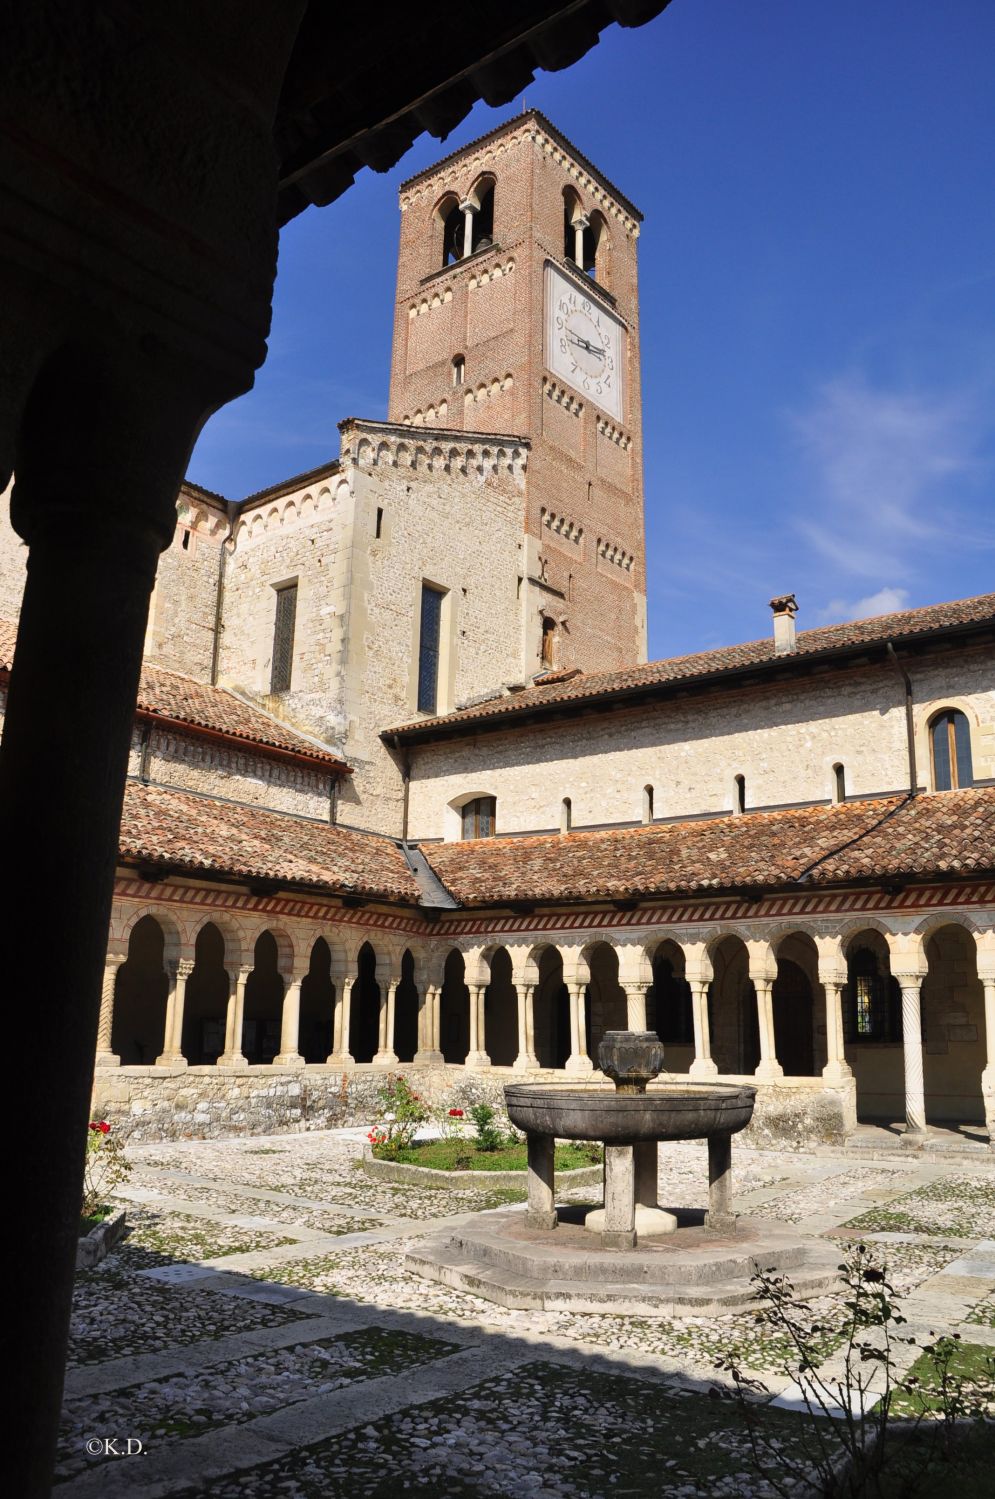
<point x="172" y="695"/>
<point x="906" y="625"/>
<point x="196" y="834"/>
<point x="950" y="833"/>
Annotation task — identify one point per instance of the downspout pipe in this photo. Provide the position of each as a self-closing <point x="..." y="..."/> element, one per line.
<point x="405" y="756"/>
<point x="910" y="728"/>
<point x="219" y="601"/>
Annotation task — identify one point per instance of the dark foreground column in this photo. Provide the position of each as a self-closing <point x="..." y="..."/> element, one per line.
<point x="101" y="454"/>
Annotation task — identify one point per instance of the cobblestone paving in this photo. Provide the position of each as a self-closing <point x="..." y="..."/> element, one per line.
<point x="290" y="1353"/>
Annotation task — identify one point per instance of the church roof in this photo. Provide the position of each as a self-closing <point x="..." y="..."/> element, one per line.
<point x="200" y="835"/>
<point x="174" y="700"/>
<point x="755" y="658"/>
<point x="946" y="834"/>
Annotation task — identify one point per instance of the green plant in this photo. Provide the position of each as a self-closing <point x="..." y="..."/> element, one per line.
<point x="105" y="1167"/>
<point x="399" y="1114"/>
<point x="866" y="1430"/>
<point x="489" y="1136"/>
<point x="462" y="1158"/>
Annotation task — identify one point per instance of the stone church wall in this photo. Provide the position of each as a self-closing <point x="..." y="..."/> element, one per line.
<point x="189" y="764"/>
<point x="784" y="740"/>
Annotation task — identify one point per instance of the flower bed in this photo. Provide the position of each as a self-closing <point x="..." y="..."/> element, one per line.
<point x="492" y="1174"/>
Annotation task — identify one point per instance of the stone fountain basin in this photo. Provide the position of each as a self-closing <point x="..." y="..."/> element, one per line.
<point x="623" y="1118"/>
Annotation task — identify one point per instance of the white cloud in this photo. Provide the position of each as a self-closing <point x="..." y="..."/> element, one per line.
<point x="885" y="601"/>
<point x="885" y="469"/>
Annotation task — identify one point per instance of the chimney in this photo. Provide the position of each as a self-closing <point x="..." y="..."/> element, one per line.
<point x="785" y="608"/>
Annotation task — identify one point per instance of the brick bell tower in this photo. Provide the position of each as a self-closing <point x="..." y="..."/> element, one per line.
<point x="518" y="314"/>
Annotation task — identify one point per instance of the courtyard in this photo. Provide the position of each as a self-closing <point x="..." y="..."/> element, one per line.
<point x="257" y="1332"/>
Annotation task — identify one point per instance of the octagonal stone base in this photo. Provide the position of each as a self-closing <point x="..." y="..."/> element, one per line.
<point x="694" y="1271"/>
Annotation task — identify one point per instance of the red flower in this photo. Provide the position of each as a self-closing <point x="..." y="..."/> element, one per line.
<point x="456" y="1113"/>
<point x="104" y="1127"/>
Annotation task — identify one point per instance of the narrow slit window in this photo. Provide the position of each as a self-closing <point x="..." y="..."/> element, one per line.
<point x="839" y="784"/>
<point x="283" y="638"/>
<point x="429" y="641"/>
<point x="739" y="794"/>
<point x="459" y="370"/>
<point x="566" y="815"/>
<point x="379" y="531"/>
<point x="647" y="804"/>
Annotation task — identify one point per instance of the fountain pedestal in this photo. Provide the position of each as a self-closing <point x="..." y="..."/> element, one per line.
<point x="541" y="1210"/>
<point x="649" y="1219"/>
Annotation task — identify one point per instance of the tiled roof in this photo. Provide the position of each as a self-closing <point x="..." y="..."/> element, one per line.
<point x="946" y="834"/>
<point x="757" y="654"/>
<point x="173" y="696"/>
<point x="198" y="835"/>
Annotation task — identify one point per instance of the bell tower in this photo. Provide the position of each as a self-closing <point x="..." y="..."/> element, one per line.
<point x="517" y="314"/>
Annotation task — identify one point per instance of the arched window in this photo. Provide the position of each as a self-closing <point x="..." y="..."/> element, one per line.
<point x="873" y="1000"/>
<point x="483" y="220"/>
<point x="739" y="794"/>
<point x="547" y="652"/>
<point x="479" y="817"/>
<point x="459" y="369"/>
<point x="647" y="804"/>
<point x="839" y="784"/>
<point x="566" y="814"/>
<point x="452" y="220"/>
<point x="950" y="750"/>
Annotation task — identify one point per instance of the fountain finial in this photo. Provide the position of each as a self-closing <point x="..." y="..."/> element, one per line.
<point x="630" y="1058"/>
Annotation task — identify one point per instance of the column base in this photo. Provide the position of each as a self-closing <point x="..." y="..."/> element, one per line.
<point x="837" y="1072"/>
<point x="170" y="1060"/>
<point x="427" y="1058"/>
<point x="234" y="1063"/>
<point x="527" y="1062"/>
<point x="703" y="1067"/>
<point x="614" y="1238"/>
<point x="650" y="1222"/>
<point x="544" y="1221"/>
<point x="769" y="1072"/>
<point x="289" y="1059"/>
<point x="385" y="1059"/>
<point x="340" y="1060"/>
<point x="478" y="1059"/>
<point x="914" y="1138"/>
<point x="722" y="1223"/>
<point x="579" y="1063"/>
<point x="107" y="1059"/>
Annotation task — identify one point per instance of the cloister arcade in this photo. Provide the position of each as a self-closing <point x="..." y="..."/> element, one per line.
<point x="897" y="1016"/>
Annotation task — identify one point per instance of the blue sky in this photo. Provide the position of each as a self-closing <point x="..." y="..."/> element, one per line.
<point x="817" y="277"/>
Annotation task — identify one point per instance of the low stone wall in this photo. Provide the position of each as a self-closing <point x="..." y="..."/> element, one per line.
<point x="196" y="1103"/>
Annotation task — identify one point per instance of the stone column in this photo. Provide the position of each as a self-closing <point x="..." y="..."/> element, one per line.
<point x="340" y="1055"/>
<point x="635" y="1005"/>
<point x="580" y="225"/>
<point x="526" y="1060"/>
<point x="106" y="1056"/>
<point x="720" y="1212"/>
<point x="703" y="1065"/>
<point x="988" y="1075"/>
<point x="837" y="1069"/>
<point x="477" y="1055"/>
<point x="770" y="1068"/>
<point x="468" y="210"/>
<point x="233" y="1056"/>
<point x="620" y="1198"/>
<point x="578" y="1060"/>
<point x="172" y="1041"/>
<point x="386" y="1055"/>
<point x="437" y="1021"/>
<point x="290" y="1027"/>
<point x="541" y="1210"/>
<point x="428" y="1004"/>
<point x="915" y="1093"/>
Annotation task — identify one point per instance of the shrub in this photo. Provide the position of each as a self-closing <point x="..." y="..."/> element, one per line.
<point x="400" y="1112"/>
<point x="104" y="1168"/>
<point x="852" y="1442"/>
<point x="489" y="1136"/>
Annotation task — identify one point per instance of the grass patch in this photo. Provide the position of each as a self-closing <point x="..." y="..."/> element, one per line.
<point x="461" y="1155"/>
<point x="94" y="1220"/>
<point x="971" y="1363"/>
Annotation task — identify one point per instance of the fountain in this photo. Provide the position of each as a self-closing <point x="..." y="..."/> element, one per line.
<point x="629" y="1123"/>
<point x="629" y="1255"/>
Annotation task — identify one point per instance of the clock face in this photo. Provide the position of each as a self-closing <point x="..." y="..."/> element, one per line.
<point x="584" y="342"/>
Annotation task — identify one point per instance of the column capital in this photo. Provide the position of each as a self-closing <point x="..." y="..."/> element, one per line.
<point x="179" y="967"/>
<point x="909" y="979"/>
<point x="115" y="959"/>
<point x="469" y="207"/>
